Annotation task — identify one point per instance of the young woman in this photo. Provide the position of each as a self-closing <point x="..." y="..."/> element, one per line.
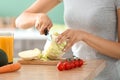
<point x="94" y="29"/>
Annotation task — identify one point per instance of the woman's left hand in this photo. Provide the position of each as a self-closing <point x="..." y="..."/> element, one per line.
<point x="71" y="36"/>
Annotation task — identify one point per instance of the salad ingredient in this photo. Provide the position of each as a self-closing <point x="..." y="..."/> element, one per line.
<point x="10" y="68"/>
<point x="3" y="58"/>
<point x="30" y="54"/>
<point x="54" y="50"/>
<point x="69" y="64"/>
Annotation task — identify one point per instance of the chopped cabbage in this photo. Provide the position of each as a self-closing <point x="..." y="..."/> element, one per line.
<point x="54" y="50"/>
<point x="30" y="54"/>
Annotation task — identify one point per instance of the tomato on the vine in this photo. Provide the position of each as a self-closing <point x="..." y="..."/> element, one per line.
<point x="81" y="62"/>
<point x="72" y="64"/>
<point x="60" y="66"/>
<point x="69" y="64"/>
<point x="77" y="63"/>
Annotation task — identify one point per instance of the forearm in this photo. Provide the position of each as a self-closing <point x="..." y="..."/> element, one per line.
<point x="104" y="46"/>
<point x="26" y="20"/>
<point x="28" y="17"/>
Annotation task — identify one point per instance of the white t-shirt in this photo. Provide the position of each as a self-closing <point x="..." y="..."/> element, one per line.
<point x="97" y="17"/>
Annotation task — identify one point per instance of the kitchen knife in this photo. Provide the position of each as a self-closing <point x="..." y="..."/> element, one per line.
<point x="49" y="37"/>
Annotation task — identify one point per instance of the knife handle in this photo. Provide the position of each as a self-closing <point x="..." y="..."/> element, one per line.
<point x="46" y="32"/>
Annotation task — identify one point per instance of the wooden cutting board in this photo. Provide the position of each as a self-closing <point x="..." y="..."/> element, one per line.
<point x="38" y="62"/>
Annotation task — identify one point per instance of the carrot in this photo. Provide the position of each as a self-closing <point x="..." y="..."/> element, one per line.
<point x="10" y="68"/>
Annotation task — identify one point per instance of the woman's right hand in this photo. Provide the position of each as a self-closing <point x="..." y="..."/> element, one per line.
<point x="42" y="23"/>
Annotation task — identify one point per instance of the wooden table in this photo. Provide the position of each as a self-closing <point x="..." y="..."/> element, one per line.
<point x="47" y="72"/>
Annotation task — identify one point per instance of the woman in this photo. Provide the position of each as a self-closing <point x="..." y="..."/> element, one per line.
<point x="94" y="29"/>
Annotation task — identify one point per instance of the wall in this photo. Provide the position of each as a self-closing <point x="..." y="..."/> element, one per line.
<point x="12" y="8"/>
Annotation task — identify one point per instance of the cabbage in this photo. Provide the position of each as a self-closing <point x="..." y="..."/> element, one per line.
<point x="30" y="54"/>
<point x="54" y="50"/>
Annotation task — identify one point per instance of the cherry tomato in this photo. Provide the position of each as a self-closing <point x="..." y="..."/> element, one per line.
<point x="69" y="64"/>
<point x="66" y="65"/>
<point x="77" y="63"/>
<point x="60" y="66"/>
<point x="81" y="62"/>
<point x="72" y="64"/>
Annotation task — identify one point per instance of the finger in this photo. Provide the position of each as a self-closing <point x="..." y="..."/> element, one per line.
<point x="38" y="24"/>
<point x="69" y="45"/>
<point x="62" y="35"/>
<point x="46" y="30"/>
<point x="49" y="26"/>
<point x="42" y="29"/>
<point x="39" y="27"/>
<point x="65" y="32"/>
<point x="63" y="38"/>
<point x="48" y="23"/>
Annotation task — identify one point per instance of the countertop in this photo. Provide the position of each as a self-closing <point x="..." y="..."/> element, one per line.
<point x="88" y="71"/>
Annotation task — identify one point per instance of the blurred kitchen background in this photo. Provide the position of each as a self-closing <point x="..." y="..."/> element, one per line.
<point x="30" y="38"/>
